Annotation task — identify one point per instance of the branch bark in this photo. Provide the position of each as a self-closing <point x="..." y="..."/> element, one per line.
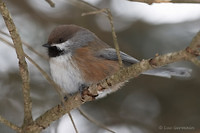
<point x="9" y="124"/>
<point x="22" y="62"/>
<point x="53" y="84"/>
<point x="120" y="76"/>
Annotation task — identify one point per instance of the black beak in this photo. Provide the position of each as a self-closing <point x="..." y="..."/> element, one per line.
<point x="46" y="45"/>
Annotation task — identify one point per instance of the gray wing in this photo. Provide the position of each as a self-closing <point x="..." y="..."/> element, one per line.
<point x="110" y="54"/>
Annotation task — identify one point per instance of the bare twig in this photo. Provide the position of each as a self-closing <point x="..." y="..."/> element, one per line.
<point x="109" y="15"/>
<point x="22" y="63"/>
<point x="9" y="124"/>
<point x="120" y="76"/>
<point x="110" y="18"/>
<point x="84" y="5"/>
<point x="28" y="46"/>
<point x="166" y="1"/>
<point x="195" y="44"/>
<point x="73" y="123"/>
<point x="47" y="78"/>
<point x="41" y="71"/>
<point x="51" y="3"/>
<point x="93" y="121"/>
<point x="114" y="36"/>
<point x="124" y="74"/>
<point x="194" y="49"/>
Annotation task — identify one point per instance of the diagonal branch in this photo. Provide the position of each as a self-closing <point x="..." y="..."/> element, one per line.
<point x="120" y="76"/>
<point x="45" y="75"/>
<point x="73" y="123"/>
<point x="58" y="89"/>
<point x="123" y="75"/>
<point x="9" y="124"/>
<point x="53" y="84"/>
<point x="75" y="101"/>
<point x="195" y="44"/>
<point x="26" y="44"/>
<point x="94" y="121"/>
<point x="22" y="63"/>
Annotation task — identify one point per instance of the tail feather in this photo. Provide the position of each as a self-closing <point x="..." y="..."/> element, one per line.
<point x="168" y="72"/>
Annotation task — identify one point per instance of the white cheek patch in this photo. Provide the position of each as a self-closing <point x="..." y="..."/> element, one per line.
<point x="63" y="46"/>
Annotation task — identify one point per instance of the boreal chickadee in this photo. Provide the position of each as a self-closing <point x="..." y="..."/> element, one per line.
<point x="79" y="58"/>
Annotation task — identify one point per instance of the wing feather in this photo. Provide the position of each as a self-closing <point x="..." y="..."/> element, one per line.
<point x="110" y="54"/>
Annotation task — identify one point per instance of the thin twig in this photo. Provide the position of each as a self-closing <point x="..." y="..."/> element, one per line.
<point x="73" y="123"/>
<point x="166" y="1"/>
<point x="84" y="4"/>
<point x="93" y="12"/>
<point x="114" y="37"/>
<point x="46" y="76"/>
<point x="9" y="124"/>
<point x="28" y="46"/>
<point x="195" y="44"/>
<point x="109" y="15"/>
<point x="51" y="3"/>
<point x="22" y="62"/>
<point x="120" y="76"/>
<point x="124" y="74"/>
<point x="94" y="121"/>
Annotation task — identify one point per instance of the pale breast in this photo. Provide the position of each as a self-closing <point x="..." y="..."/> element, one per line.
<point x="65" y="73"/>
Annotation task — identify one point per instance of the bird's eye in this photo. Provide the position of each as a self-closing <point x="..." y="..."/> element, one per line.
<point x="60" y="40"/>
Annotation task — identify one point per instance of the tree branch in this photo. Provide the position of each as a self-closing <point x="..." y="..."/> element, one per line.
<point x="44" y="74"/>
<point x="165" y="1"/>
<point x="94" y="121"/>
<point x="22" y="63"/>
<point x="25" y="44"/>
<point x="9" y="124"/>
<point x="53" y="84"/>
<point x="73" y="123"/>
<point x="123" y="75"/>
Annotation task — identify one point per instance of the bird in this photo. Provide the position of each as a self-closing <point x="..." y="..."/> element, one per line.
<point x="78" y="58"/>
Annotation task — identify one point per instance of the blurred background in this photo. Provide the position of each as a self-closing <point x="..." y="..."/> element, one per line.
<point x="145" y="104"/>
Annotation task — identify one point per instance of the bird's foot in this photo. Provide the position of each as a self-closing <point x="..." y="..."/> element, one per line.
<point x="85" y="92"/>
